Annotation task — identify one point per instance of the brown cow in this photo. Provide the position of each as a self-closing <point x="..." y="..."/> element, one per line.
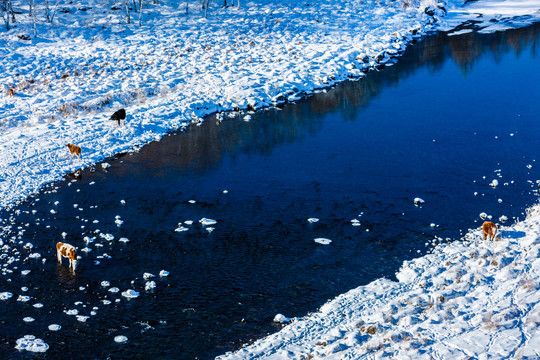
<point x="490" y="230"/>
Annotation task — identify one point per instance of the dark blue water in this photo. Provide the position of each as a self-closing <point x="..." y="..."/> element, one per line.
<point x="451" y="112"/>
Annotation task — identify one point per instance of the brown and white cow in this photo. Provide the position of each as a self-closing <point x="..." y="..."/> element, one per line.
<point x="489" y="229"/>
<point x="67" y="251"/>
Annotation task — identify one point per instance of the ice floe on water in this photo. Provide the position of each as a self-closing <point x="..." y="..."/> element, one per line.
<point x="206" y="221"/>
<point x="322" y="241"/>
<point x="5" y="295"/>
<point x="82" y="318"/>
<point x="32" y="344"/>
<point x="54" y="327"/>
<point x="147" y="275"/>
<point x="130" y="294"/>
<point x="150" y="285"/>
<point x="120" y="339"/>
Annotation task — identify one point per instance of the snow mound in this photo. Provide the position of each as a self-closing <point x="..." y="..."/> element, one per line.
<point x="281" y="319"/>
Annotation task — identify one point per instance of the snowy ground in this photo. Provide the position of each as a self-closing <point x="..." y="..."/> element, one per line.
<point x="177" y="68"/>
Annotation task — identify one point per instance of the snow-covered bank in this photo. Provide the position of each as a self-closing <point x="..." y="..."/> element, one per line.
<point x="174" y="70"/>
<point x="467" y="299"/>
<point x="493" y="15"/>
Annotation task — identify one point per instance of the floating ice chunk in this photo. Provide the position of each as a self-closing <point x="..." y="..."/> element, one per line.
<point x="418" y="201"/>
<point x="163" y="273"/>
<point x="53" y="212"/>
<point x="281" y="319"/>
<point x="150" y="285"/>
<point x="30" y="343"/>
<point x="118" y="221"/>
<point x="188" y="222"/>
<point x="206" y="221"/>
<point x="247" y="117"/>
<point x="120" y="339"/>
<point x="323" y="241"/>
<point x="38" y="305"/>
<point x="499" y="201"/>
<point x="34" y="256"/>
<point x="494" y="183"/>
<point x="28" y="319"/>
<point x="54" y="327"/>
<point x="106" y="302"/>
<point x="28" y="246"/>
<point x="124" y="240"/>
<point x="23" y="298"/>
<point x="5" y="295"/>
<point x="105" y="166"/>
<point x="147" y="276"/>
<point x="192" y="201"/>
<point x="86" y="249"/>
<point x="105" y="283"/>
<point x="312" y="220"/>
<point x="529" y="166"/>
<point x="122" y="202"/>
<point x="483" y="216"/>
<point x="25" y="272"/>
<point x="181" y="229"/>
<point x="503" y="219"/>
<point x="107" y="237"/>
<point x="114" y="290"/>
<point x="72" y="312"/>
<point x="82" y="318"/>
<point x="225" y="191"/>
<point x="130" y="294"/>
<point x="210" y="229"/>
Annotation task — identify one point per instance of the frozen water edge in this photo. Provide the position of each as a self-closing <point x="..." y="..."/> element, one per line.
<point x="462" y="298"/>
